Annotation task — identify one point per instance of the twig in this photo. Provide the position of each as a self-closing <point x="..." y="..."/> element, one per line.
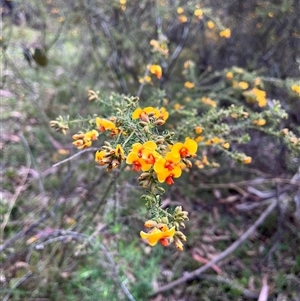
<point x="247" y="293"/>
<point x="21" y="280"/>
<point x="141" y="87"/>
<point x="116" y="274"/>
<point x="195" y="274"/>
<point x="27" y="147"/>
<point x="17" y="193"/>
<point x="250" y="182"/>
<point x="75" y="155"/>
<point x="178" y="48"/>
<point x="20" y="234"/>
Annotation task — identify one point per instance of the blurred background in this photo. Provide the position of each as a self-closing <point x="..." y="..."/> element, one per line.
<point x="70" y="231"/>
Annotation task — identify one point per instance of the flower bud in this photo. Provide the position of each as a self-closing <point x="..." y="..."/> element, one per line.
<point x="150" y="224"/>
<point x="178" y="244"/>
<point x="187" y="162"/>
<point x="162" y="227"/>
<point x="180" y="235"/>
<point x="165" y="220"/>
<point x="144" y="176"/>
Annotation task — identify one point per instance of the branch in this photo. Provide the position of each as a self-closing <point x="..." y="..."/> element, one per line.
<point x="247" y="293"/>
<point x="75" y="155"/>
<point x="195" y="274"/>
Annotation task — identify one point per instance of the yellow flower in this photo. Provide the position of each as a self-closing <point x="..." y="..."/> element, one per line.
<point x="209" y="101"/>
<point x="189" y="85"/>
<point x="185" y="150"/>
<point x="161" y="47"/>
<point x="91" y="135"/>
<point x="198" y="13"/>
<point x="210" y="24"/>
<point x="143" y="156"/>
<point x="256" y="95"/>
<point x="199" y="139"/>
<point x="164" y="114"/>
<point x="83" y="141"/>
<point x="101" y="156"/>
<point x="143" y="150"/>
<point x="146" y="79"/>
<point x="226" y="145"/>
<point x="180" y="10"/>
<point x="167" y="168"/>
<point x="119" y="152"/>
<point x="259" y="122"/>
<point x="177" y="106"/>
<point x="105" y="124"/>
<point x="156" y="70"/>
<point x="214" y="140"/>
<point x="137" y="162"/>
<point x="155" y="235"/>
<point x="145" y="113"/>
<point x="243" y="85"/>
<point x="296" y="88"/>
<point x="198" y="130"/>
<point x="82" y="144"/>
<point x="226" y="33"/>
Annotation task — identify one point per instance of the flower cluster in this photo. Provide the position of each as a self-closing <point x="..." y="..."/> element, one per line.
<point x="161" y="162"/>
<point x="136" y="141"/>
<point x="166" y="232"/>
<point x="251" y="88"/>
<point x="148" y="114"/>
<point x="257" y="96"/>
<point x="110" y="156"/>
<point x="84" y="140"/>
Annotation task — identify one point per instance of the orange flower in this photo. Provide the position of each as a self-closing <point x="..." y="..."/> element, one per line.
<point x="198" y="130"/>
<point x="137" y="162"/>
<point x="83" y="141"/>
<point x="142" y="156"/>
<point x="296" y="89"/>
<point x="247" y="160"/>
<point x="156" y="70"/>
<point x="182" y="19"/>
<point x="226" y="33"/>
<point x="167" y="168"/>
<point x="106" y="125"/>
<point x="260" y="122"/>
<point x="185" y="150"/>
<point x="229" y="75"/>
<point x="208" y="101"/>
<point x="143" y="114"/>
<point x="158" y="235"/>
<point x="189" y="85"/>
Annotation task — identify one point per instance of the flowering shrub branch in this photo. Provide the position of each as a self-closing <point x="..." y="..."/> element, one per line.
<point x="134" y="136"/>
